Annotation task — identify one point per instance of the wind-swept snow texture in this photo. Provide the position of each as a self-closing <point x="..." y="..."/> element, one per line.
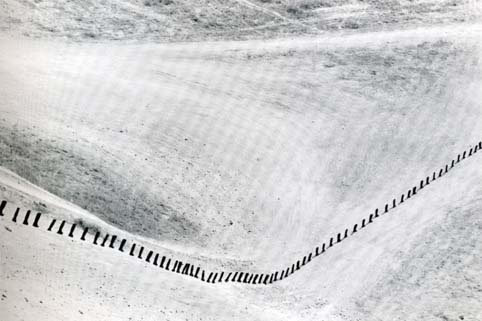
<point x="240" y="156"/>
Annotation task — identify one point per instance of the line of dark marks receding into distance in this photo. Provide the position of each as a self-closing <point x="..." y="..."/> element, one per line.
<point x="140" y="252"/>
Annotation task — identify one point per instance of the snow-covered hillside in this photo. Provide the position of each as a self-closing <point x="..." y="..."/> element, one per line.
<point x="241" y="155"/>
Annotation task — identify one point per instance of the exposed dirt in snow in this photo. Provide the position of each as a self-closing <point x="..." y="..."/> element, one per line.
<point x="52" y="164"/>
<point x="179" y="20"/>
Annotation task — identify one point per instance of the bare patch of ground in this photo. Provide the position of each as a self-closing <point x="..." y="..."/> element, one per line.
<point x="183" y="20"/>
<point x="91" y="184"/>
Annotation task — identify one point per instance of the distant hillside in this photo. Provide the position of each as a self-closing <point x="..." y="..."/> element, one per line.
<point x="179" y="20"/>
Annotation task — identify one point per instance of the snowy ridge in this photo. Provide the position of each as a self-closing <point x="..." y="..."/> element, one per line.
<point x="85" y="233"/>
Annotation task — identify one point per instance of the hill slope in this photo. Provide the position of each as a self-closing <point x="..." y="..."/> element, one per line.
<point x="241" y="155"/>
<point x="419" y="261"/>
<point x="206" y="142"/>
